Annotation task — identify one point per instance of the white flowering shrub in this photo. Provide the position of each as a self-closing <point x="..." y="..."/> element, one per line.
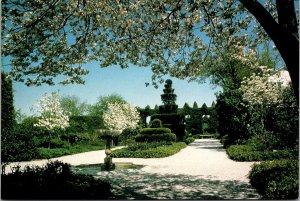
<point x="259" y="89"/>
<point x="52" y="115"/>
<point x="120" y="116"/>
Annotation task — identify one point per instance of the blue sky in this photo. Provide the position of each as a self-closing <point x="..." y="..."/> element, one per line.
<point x="129" y="83"/>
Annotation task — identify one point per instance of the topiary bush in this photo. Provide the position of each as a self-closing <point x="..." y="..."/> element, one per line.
<point x="155" y="130"/>
<point x="277" y="179"/>
<point x="54" y="181"/>
<point x="155" y="123"/>
<point x="189" y="140"/>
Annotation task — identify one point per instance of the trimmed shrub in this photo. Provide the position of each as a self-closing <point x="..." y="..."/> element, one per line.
<point x="167" y="137"/>
<point x="155" y="123"/>
<point x="247" y="153"/>
<point x="54" y="181"/>
<point x="189" y="140"/>
<point x="277" y="179"/>
<point x="46" y="153"/>
<point x="144" y="146"/>
<point x="158" y="152"/>
<point x="155" y="130"/>
<point x="173" y="121"/>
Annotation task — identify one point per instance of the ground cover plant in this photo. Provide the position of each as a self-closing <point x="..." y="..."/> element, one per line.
<point x="54" y="181"/>
<point x="278" y="179"/>
<point x="149" y="150"/>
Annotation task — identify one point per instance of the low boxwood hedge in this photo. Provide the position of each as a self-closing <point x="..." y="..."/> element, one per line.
<point x="246" y="153"/>
<point x="278" y="179"/>
<point x="167" y="137"/>
<point x="158" y="152"/>
<point x="155" y="130"/>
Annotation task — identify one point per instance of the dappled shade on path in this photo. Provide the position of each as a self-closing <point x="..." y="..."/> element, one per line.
<point x="200" y="171"/>
<point x="137" y="184"/>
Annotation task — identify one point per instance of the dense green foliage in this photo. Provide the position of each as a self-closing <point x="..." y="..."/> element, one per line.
<point x="283" y="121"/>
<point x="54" y="181"/>
<point x="194" y="123"/>
<point x="19" y="145"/>
<point x="7" y="105"/>
<point x="85" y="124"/>
<point x="248" y="153"/>
<point x="155" y="130"/>
<point x="233" y="116"/>
<point x="73" y="105"/>
<point x="169" y="99"/>
<point x="155" y="123"/>
<point x="16" y="140"/>
<point x="158" y="152"/>
<point x="278" y="179"/>
<point x="166" y="137"/>
<point x="67" y="149"/>
<point x="189" y="140"/>
<point x="173" y="121"/>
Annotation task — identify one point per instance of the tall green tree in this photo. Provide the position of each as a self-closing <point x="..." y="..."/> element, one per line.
<point x="101" y="105"/>
<point x="7" y="105"/>
<point x="195" y="105"/>
<point x="166" y="35"/>
<point x="73" y="105"/>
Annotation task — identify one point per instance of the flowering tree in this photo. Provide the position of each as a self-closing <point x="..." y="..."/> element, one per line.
<point x="169" y="36"/>
<point x="120" y="116"/>
<point x="259" y="89"/>
<point x="262" y="90"/>
<point x="52" y="115"/>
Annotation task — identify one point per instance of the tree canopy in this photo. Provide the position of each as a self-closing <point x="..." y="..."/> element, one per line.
<point x="49" y="38"/>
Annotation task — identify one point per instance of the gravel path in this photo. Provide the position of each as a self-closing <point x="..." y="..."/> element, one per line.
<point x="200" y="171"/>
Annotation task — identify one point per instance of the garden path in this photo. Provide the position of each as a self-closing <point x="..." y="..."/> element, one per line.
<point x="200" y="171"/>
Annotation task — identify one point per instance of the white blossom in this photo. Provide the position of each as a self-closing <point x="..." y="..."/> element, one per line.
<point x="52" y="115"/>
<point x="260" y="89"/>
<point x="120" y="116"/>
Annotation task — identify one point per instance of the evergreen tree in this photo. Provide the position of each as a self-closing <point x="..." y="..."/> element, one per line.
<point x="186" y="108"/>
<point x="195" y="105"/>
<point x="7" y="105"/>
<point x="169" y="99"/>
<point x="213" y="104"/>
<point x="204" y="109"/>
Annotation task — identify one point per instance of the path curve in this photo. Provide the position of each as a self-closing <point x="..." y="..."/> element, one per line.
<point x="200" y="171"/>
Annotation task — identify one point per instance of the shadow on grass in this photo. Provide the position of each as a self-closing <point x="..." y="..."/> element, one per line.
<point x="137" y="184"/>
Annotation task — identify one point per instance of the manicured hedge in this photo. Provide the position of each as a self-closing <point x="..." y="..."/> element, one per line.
<point x="143" y="146"/>
<point x="54" y="181"/>
<point x="155" y="123"/>
<point x="159" y="152"/>
<point x="277" y="179"/>
<point x="168" y="137"/>
<point x="189" y="140"/>
<point x="246" y="153"/>
<point x="173" y="121"/>
<point x="155" y="130"/>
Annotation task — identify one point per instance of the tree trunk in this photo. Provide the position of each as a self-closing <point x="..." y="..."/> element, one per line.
<point x="284" y="34"/>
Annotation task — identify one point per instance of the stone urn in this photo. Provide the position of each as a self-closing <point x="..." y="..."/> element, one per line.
<point x="108" y="136"/>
